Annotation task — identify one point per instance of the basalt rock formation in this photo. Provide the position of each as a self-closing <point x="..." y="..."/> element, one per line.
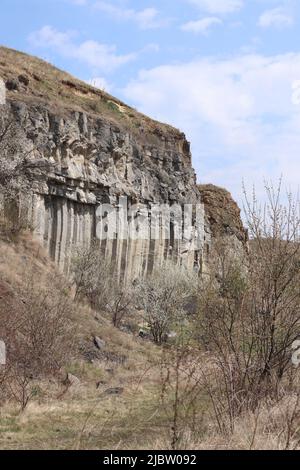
<point x="85" y="148"/>
<point x="98" y="150"/>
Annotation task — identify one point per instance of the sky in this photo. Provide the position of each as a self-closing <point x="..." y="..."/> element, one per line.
<point x="226" y="72"/>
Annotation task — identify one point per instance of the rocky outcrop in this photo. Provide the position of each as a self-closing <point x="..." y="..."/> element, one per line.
<point x="223" y="216"/>
<point x="87" y="150"/>
<point x="98" y="150"/>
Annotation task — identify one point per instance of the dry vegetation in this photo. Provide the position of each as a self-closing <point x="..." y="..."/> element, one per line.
<point x="80" y="375"/>
<point x="226" y="381"/>
<point x="34" y="81"/>
<point x="58" y="415"/>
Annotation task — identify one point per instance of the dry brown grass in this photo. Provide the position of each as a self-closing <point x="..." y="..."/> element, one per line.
<point x="86" y="417"/>
<point x="83" y="416"/>
<point x="63" y="93"/>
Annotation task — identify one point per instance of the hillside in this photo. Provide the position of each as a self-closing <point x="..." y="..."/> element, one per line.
<point x="115" y="401"/>
<point x="120" y="396"/>
<point x="34" y="81"/>
<point x="151" y="338"/>
<point x="95" y="150"/>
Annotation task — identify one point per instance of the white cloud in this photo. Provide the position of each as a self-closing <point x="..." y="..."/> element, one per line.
<point x="239" y="125"/>
<point x="277" y="17"/>
<point x="96" y="55"/>
<point x="218" y="6"/>
<point x="145" y="19"/>
<point x="79" y="2"/>
<point x="201" y="26"/>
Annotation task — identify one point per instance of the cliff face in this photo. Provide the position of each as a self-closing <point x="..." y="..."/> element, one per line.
<point x="98" y="149"/>
<point x="223" y="216"/>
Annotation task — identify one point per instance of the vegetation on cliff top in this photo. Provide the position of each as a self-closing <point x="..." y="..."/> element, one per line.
<point x="35" y="81"/>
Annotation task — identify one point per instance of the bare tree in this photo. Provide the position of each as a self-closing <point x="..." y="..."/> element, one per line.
<point x="38" y="329"/>
<point x="96" y="280"/>
<point x="91" y="273"/>
<point x="181" y="387"/>
<point x="250" y="311"/>
<point x="163" y="297"/>
<point x="275" y="272"/>
<point x="119" y="304"/>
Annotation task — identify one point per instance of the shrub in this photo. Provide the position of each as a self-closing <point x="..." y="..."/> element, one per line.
<point x="96" y="280"/>
<point x="163" y="297"/>
<point x="249" y="312"/>
<point x="37" y="326"/>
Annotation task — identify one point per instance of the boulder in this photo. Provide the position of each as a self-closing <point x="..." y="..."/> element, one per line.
<point x="72" y="380"/>
<point x="114" y="391"/>
<point x="12" y="84"/>
<point x="99" y="343"/>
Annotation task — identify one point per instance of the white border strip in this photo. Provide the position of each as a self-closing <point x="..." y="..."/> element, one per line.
<point x="2" y="92"/>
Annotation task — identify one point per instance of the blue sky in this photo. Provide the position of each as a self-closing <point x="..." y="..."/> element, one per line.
<point x="226" y="72"/>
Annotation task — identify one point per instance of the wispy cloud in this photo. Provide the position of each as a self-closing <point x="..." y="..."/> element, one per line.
<point x="276" y="17"/>
<point x="79" y="2"/>
<point x="218" y="6"/>
<point x="239" y="126"/>
<point x="148" y="18"/>
<point x="95" y="54"/>
<point x="201" y="26"/>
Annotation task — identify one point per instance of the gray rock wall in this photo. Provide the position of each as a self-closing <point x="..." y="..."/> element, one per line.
<point x="92" y="161"/>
